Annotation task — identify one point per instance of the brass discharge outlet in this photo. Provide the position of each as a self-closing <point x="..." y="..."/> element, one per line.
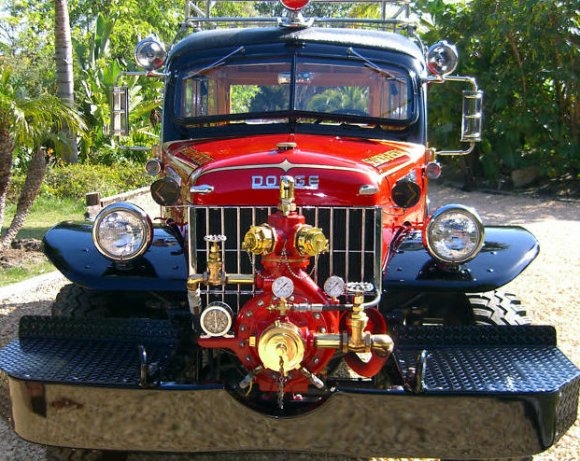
<point x="281" y="347"/>
<point x="359" y="341"/>
<point x="310" y="241"/>
<point x="259" y="239"/>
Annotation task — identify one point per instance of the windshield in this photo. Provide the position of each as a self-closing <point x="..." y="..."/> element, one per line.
<point x="265" y="89"/>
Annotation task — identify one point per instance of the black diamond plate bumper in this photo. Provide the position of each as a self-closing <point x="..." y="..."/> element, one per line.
<point x="475" y="392"/>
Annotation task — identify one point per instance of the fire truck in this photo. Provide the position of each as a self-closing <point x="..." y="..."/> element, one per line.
<point x="296" y="293"/>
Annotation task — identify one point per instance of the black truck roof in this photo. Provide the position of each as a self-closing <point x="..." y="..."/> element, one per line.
<point x="236" y="37"/>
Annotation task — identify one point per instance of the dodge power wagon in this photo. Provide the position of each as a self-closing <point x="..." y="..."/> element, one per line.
<point x="296" y="293"/>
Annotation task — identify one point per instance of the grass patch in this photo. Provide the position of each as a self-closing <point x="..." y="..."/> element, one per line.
<point x="45" y="213"/>
<point x="25" y="271"/>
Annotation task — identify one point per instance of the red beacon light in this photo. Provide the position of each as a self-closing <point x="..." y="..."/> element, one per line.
<point x="295" y="18"/>
<point x="294" y="5"/>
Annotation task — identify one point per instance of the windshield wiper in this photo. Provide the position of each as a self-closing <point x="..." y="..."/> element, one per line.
<point x="221" y="61"/>
<point x="374" y="66"/>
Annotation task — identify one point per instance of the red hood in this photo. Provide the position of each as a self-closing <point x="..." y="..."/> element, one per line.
<point x="327" y="170"/>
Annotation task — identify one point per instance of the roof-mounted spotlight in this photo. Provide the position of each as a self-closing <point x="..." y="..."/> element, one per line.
<point x="442" y="58"/>
<point x="150" y="53"/>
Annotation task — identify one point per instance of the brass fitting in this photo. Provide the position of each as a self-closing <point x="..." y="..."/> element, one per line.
<point x="193" y="297"/>
<point x="287" y="204"/>
<point x="282" y="306"/>
<point x="380" y="344"/>
<point x="357" y="321"/>
<point x="281" y="347"/>
<point x="359" y="341"/>
<point x="214" y="260"/>
<point x="310" y="241"/>
<point x="259" y="239"/>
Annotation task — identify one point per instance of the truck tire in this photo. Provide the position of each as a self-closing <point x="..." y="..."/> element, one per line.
<point x="496" y="308"/>
<point x="76" y="301"/>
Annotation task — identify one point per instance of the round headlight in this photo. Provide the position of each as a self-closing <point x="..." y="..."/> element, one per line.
<point x="122" y="231"/>
<point x="454" y="234"/>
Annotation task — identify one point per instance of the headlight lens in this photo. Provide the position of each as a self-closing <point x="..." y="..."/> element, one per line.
<point x="122" y="231"/>
<point x="454" y="234"/>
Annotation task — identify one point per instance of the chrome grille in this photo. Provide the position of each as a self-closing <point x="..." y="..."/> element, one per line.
<point x="354" y="235"/>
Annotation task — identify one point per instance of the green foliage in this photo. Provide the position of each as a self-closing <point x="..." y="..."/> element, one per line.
<point x="74" y="181"/>
<point x="530" y="79"/>
<point x="524" y="53"/>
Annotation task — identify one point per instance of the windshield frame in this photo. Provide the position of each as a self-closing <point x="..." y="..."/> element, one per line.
<point x="310" y="121"/>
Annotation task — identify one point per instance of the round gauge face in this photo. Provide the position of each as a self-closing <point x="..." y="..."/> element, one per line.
<point x="334" y="286"/>
<point x="283" y="287"/>
<point x="216" y="319"/>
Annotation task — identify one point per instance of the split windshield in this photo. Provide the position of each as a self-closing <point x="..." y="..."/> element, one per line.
<point x="322" y="89"/>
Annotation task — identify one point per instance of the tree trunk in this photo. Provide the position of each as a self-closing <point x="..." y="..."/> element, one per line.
<point x="29" y="192"/>
<point x="6" y="152"/>
<point x="64" y="65"/>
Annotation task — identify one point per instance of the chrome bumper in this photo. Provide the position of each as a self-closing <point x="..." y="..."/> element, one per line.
<point x="508" y="391"/>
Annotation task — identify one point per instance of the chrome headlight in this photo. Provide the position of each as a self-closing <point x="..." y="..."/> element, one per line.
<point x="122" y="231"/>
<point x="454" y="234"/>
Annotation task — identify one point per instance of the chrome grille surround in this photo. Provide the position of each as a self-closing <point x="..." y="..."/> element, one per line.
<point x="354" y="235"/>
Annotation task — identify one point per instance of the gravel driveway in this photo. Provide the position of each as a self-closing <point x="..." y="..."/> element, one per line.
<point x="549" y="288"/>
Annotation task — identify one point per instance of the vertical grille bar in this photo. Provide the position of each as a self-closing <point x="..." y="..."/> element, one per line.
<point x="354" y="235"/>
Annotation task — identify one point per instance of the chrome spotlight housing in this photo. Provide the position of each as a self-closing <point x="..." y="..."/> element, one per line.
<point x="454" y="234"/>
<point x="150" y="53"/>
<point x="122" y="231"/>
<point x="442" y="58"/>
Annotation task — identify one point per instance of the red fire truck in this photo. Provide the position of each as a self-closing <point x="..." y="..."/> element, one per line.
<point x="298" y="294"/>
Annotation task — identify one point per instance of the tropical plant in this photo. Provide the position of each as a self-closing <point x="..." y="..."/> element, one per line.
<point x="32" y="123"/>
<point x="64" y="65"/>
<point x="530" y="79"/>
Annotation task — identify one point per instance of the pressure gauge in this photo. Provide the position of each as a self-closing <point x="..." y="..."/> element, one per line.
<point x="334" y="286"/>
<point x="283" y="287"/>
<point x="216" y="319"/>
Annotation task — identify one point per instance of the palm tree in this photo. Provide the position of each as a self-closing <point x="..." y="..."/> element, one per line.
<point x="28" y="123"/>
<point x="64" y="64"/>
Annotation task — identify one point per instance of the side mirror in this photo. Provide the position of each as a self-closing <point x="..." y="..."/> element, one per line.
<point x="471" y="123"/>
<point x="472" y="113"/>
<point x="120" y="111"/>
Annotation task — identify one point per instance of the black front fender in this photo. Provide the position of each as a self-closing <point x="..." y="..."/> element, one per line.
<point x="70" y="247"/>
<point x="507" y="251"/>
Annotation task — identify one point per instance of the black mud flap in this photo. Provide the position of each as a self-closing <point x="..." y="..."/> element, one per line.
<point x="470" y="392"/>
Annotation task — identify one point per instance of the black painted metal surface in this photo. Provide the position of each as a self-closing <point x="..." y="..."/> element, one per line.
<point x="67" y="374"/>
<point x="96" y="352"/>
<point x="70" y="247"/>
<point x="507" y="251"/>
